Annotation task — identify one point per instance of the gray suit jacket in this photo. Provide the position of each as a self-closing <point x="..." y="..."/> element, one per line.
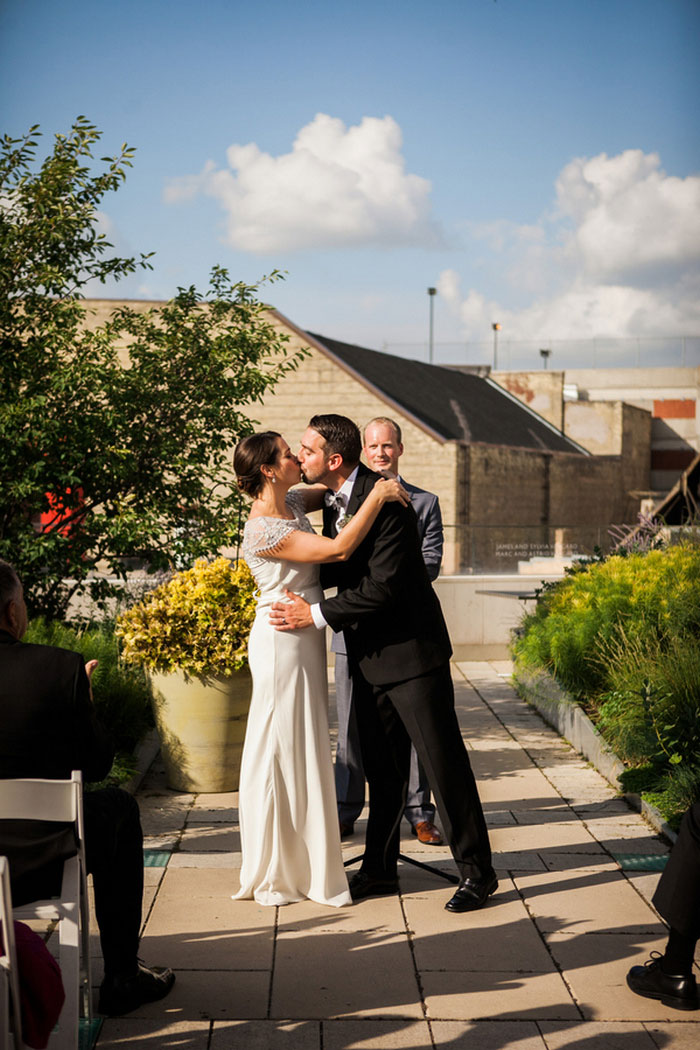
<point x="427" y="508"/>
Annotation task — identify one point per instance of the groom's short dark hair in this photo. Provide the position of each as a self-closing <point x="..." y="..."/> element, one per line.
<point x="341" y="435"/>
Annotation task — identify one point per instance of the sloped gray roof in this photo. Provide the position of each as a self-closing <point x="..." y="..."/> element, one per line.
<point x="456" y="405"/>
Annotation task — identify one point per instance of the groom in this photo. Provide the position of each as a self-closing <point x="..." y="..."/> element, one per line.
<point x="399" y="653"/>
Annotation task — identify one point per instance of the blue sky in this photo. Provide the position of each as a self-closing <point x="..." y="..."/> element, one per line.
<point x="538" y="161"/>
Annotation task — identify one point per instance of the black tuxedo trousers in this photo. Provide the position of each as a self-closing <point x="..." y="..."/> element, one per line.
<point x="421" y="711"/>
<point x="677" y="895"/>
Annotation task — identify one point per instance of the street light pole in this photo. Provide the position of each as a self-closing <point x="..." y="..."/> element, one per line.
<point x="431" y="295"/>
<point x="496" y="329"/>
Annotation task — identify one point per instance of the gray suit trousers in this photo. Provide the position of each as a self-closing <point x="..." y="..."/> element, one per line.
<point x="349" y="771"/>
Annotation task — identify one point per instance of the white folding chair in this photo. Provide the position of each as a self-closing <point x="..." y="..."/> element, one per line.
<point x="9" y="983"/>
<point x="61" y="801"/>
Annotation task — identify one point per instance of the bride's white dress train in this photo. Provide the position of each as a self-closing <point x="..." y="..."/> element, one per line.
<point x="287" y="804"/>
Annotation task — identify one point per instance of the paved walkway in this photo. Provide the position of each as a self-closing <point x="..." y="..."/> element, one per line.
<point x="541" y="968"/>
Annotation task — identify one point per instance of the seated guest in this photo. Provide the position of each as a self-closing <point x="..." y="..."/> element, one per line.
<point x="669" y="977"/>
<point x="48" y="727"/>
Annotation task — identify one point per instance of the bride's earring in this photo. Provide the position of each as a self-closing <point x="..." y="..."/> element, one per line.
<point x="273" y="479"/>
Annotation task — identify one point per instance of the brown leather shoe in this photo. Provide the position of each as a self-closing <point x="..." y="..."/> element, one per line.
<point x="427" y="833"/>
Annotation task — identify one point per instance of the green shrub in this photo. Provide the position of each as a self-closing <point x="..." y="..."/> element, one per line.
<point x="122" y="694"/>
<point x="623" y="636"/>
<point x="650" y="595"/>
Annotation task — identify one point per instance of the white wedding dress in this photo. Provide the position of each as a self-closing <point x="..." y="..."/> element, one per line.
<point x="287" y="804"/>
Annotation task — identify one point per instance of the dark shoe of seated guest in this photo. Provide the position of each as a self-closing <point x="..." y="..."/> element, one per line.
<point x="472" y="894"/>
<point x="122" y="994"/>
<point x="347" y="828"/>
<point x="649" y="980"/>
<point x="363" y="885"/>
<point x="426" y="832"/>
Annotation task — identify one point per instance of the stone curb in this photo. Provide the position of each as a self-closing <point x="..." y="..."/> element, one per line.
<point x="145" y="755"/>
<point x="562" y="712"/>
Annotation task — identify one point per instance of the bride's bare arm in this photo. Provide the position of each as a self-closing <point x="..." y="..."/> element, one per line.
<point x="312" y="496"/>
<point x="308" y="547"/>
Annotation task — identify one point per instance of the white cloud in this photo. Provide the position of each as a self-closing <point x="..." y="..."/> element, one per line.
<point x="619" y="255"/>
<point x="339" y="187"/>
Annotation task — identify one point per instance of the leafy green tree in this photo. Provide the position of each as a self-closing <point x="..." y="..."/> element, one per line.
<point x="116" y="437"/>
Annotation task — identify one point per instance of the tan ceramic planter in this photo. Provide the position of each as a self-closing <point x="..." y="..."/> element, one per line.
<point x="201" y="724"/>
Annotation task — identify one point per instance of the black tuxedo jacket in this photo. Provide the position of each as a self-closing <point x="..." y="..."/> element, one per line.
<point x="391" y="617"/>
<point x="48" y="728"/>
<point x="48" y="725"/>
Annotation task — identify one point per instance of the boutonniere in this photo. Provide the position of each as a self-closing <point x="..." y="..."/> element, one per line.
<point x="343" y="521"/>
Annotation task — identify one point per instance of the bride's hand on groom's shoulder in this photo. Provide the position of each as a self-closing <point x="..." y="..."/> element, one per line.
<point x="390" y="490"/>
<point x="292" y="614"/>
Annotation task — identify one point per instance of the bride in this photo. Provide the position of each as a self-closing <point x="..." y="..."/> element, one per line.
<point x="287" y="805"/>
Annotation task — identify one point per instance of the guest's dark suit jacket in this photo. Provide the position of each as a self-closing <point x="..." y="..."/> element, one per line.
<point x="392" y="620"/>
<point x="48" y="728"/>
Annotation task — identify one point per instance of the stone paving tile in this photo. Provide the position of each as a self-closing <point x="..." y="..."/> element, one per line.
<point x="161" y="842"/>
<point x="487" y="1035"/>
<point x="524" y="787"/>
<point x="153" y="1034"/>
<point x="340" y="975"/>
<point x="211" y="994"/>
<point x="202" y="815"/>
<point x="181" y="885"/>
<point x="502" y="995"/>
<point x="579" y="901"/>
<point x="377" y="916"/>
<point x="554" y="861"/>
<point x="611" y="1035"/>
<point x="266" y="1035"/>
<point x="553" y="814"/>
<point x="376" y="1035"/>
<point x="208" y="860"/>
<point x="570" y="837"/>
<point x="499" y="818"/>
<point x="506" y="763"/>
<point x="520" y="862"/>
<point x="211" y="838"/>
<point x="218" y="800"/>
<point x="674" y="1036"/>
<point x="215" y="933"/>
<point x="595" y="966"/>
<point x="444" y="941"/>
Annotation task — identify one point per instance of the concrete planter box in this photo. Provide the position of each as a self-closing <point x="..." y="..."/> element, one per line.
<point x="562" y="712"/>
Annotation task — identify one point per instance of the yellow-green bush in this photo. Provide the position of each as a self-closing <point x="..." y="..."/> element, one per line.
<point x="198" y="622"/>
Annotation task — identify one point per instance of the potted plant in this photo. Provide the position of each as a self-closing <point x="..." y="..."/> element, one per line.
<point x="191" y="634"/>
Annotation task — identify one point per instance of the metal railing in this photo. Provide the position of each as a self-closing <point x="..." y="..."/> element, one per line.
<point x="560" y="354"/>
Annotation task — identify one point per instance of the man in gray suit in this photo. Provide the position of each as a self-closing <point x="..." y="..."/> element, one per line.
<point x="382" y="449"/>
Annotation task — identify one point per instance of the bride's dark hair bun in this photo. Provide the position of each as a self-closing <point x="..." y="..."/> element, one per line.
<point x="252" y="453"/>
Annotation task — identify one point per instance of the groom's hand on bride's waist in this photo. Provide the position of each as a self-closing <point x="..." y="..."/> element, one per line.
<point x="291" y="614"/>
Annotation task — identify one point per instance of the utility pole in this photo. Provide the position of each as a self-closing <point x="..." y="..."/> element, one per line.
<point x="432" y="292"/>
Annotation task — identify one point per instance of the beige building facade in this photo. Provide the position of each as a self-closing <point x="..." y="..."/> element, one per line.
<point x="510" y="487"/>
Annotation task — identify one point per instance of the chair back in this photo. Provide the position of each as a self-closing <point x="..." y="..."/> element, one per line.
<point x="9" y="980"/>
<point x="60" y="801"/>
<point x="32" y="799"/>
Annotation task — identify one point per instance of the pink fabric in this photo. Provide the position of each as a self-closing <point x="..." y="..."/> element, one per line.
<point x="40" y="987"/>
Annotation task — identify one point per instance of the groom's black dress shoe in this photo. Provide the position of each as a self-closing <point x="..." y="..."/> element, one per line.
<point x="650" y="981"/>
<point x="472" y="894"/>
<point x="362" y="885"/>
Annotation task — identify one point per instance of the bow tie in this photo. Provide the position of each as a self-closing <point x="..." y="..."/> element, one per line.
<point x="334" y="500"/>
